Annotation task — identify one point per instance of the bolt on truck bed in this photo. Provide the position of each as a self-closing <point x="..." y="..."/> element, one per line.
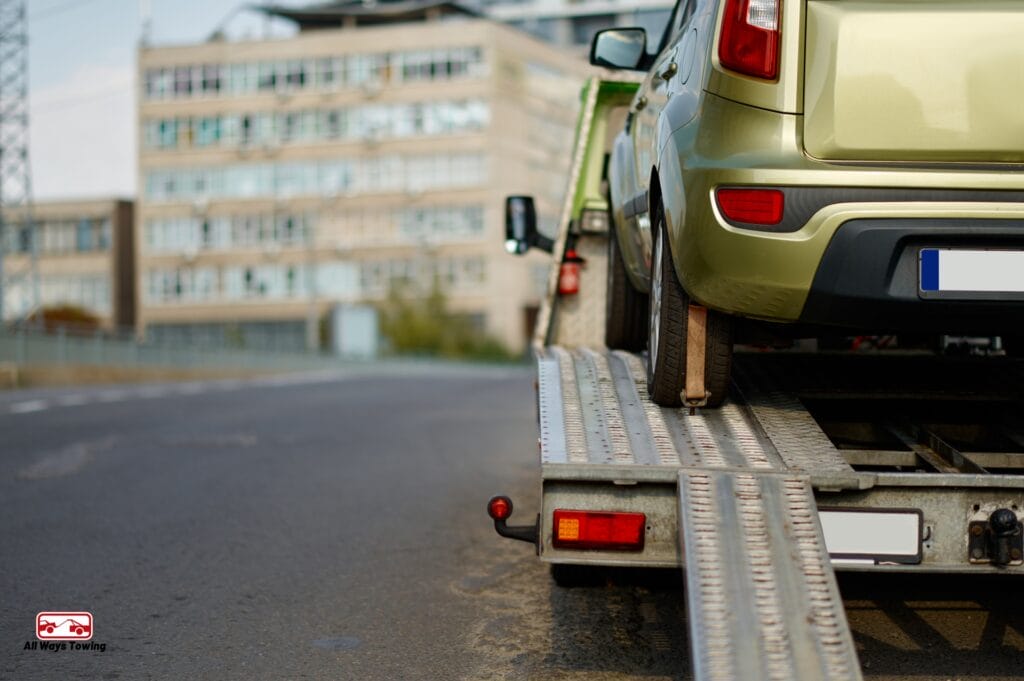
<point x="887" y="462"/>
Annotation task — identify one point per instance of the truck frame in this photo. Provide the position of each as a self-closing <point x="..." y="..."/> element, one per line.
<point x="887" y="461"/>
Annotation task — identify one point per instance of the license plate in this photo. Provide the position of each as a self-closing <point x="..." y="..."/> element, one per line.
<point x="872" y="536"/>
<point x="971" y="274"/>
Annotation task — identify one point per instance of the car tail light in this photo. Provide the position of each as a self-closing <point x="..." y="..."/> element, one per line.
<point x="599" y="530"/>
<point x="754" y="206"/>
<point x="749" y="42"/>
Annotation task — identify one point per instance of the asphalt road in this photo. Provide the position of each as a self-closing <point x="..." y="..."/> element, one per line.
<point x="333" y="527"/>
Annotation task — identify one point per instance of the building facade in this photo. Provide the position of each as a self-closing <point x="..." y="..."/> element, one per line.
<point x="281" y="178"/>
<point x="84" y="259"/>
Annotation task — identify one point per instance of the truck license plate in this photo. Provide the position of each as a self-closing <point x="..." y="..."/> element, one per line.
<point x="954" y="273"/>
<point x="868" y="536"/>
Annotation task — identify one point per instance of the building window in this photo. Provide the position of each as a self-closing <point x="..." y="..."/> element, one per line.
<point x="83" y="235"/>
<point x="245" y="134"/>
<point x="313" y="178"/>
<point x="295" y="74"/>
<point x="211" y="78"/>
<point x="209" y="133"/>
<point x="327" y="73"/>
<point x="183" y="81"/>
<point x="267" y="76"/>
<point x="24" y="240"/>
<point x="364" y="122"/>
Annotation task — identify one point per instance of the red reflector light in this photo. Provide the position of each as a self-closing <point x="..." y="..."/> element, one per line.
<point x="755" y="206"/>
<point x="599" y="530"/>
<point x="750" y="37"/>
<point x="499" y="508"/>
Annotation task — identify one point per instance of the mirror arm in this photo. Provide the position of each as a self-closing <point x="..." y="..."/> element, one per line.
<point x="543" y="243"/>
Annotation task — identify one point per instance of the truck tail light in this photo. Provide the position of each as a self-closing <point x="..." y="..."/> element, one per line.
<point x="749" y="42"/>
<point x="499" y="508"/>
<point x="754" y="206"/>
<point x="599" y="530"/>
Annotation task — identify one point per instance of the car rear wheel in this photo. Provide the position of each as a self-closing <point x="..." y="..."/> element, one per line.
<point x="666" y="336"/>
<point x="625" y="307"/>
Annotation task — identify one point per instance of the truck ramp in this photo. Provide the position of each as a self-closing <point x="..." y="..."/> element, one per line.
<point x="761" y="593"/>
<point x="597" y="420"/>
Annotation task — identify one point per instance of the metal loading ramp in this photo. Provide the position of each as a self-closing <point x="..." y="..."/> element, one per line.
<point x="596" y="418"/>
<point x="761" y="593"/>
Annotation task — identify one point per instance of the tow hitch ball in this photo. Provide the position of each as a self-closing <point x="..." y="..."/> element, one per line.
<point x="500" y="509"/>
<point x="999" y="540"/>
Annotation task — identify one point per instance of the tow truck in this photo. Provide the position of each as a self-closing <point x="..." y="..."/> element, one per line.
<point x="889" y="461"/>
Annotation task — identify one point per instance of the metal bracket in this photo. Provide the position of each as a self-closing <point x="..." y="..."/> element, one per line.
<point x="987" y="545"/>
<point x="526" y="533"/>
<point x="695" y="393"/>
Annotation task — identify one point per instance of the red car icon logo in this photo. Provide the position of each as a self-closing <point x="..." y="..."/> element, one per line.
<point x="64" y="626"/>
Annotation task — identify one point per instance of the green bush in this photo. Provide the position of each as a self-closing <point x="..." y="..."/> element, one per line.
<point x="423" y="325"/>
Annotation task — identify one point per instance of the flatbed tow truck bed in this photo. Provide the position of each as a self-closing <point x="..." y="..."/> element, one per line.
<point x="882" y="461"/>
<point x="737" y="495"/>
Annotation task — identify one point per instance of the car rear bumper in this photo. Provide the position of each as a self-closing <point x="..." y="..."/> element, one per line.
<point x="869" y="277"/>
<point x="788" y="273"/>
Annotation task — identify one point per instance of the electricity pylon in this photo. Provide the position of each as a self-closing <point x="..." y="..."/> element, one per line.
<point x="15" y="171"/>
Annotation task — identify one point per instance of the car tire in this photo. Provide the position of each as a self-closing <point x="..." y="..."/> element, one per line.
<point x="625" y="307"/>
<point x="666" y="333"/>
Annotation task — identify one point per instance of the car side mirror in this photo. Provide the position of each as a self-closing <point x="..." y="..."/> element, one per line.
<point x="521" y="226"/>
<point x="619" y="48"/>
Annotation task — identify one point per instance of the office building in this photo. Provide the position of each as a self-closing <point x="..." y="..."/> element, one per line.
<point x="372" y="150"/>
<point x="85" y="259"/>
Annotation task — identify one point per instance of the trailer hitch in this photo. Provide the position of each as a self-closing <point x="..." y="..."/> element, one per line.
<point x="999" y="540"/>
<point x="500" y="509"/>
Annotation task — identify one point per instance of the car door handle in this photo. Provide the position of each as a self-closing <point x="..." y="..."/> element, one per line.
<point x="670" y="70"/>
<point x="641" y="103"/>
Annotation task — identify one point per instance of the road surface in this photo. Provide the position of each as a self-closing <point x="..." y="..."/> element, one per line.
<point x="332" y="527"/>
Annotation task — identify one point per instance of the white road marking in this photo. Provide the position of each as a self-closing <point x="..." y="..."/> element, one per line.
<point x="28" y="407"/>
<point x="273" y="381"/>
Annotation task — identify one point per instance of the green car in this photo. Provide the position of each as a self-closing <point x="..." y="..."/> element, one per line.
<point x="807" y="166"/>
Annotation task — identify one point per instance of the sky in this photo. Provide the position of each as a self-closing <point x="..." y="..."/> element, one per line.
<point x="82" y="83"/>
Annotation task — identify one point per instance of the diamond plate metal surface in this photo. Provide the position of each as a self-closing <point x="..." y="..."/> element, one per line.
<point x="606" y="418"/>
<point x="794" y="432"/>
<point x="763" y="602"/>
<point x="551" y="415"/>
